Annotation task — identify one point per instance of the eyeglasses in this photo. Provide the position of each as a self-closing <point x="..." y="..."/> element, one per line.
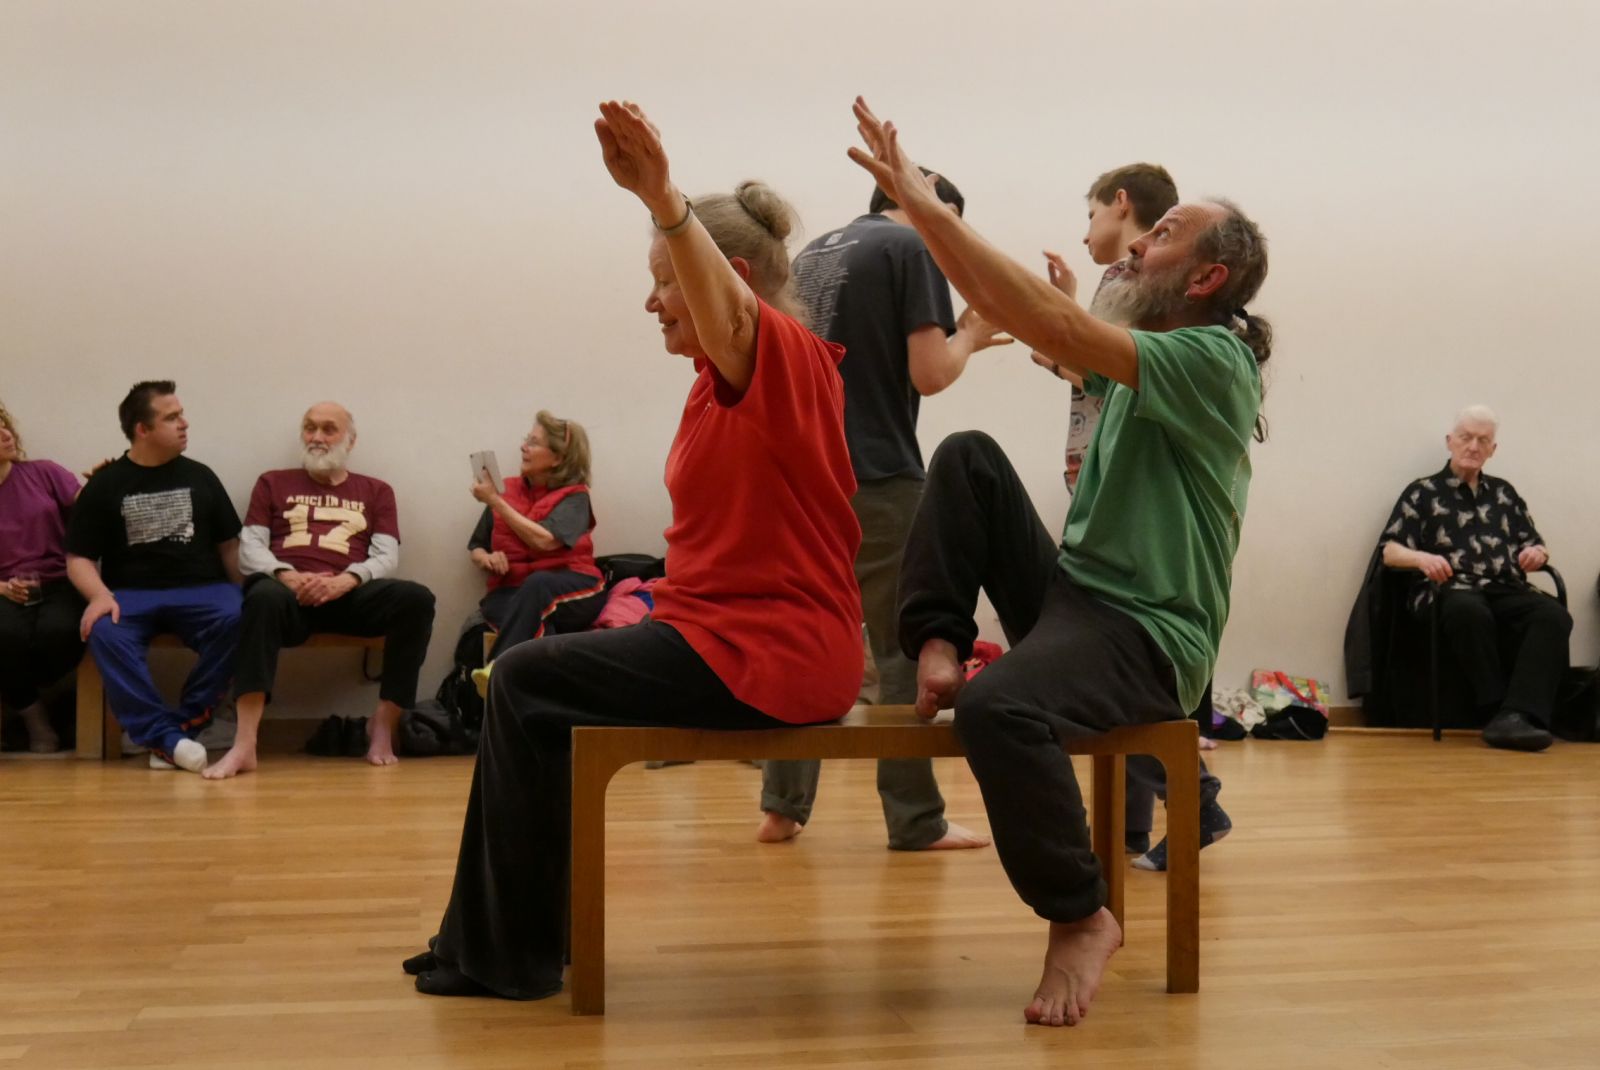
<point x="532" y="442"/>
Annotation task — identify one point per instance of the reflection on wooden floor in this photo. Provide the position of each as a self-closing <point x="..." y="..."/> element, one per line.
<point x="1383" y="902"/>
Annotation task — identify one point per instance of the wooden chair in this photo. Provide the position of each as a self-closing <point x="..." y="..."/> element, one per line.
<point x="888" y="732"/>
<point x="99" y="734"/>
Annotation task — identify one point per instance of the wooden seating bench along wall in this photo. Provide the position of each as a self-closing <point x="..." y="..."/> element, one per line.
<point x="888" y="732"/>
<point x="99" y="734"/>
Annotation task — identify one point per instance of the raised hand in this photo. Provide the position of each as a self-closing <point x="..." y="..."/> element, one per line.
<point x="888" y="164"/>
<point x="483" y="490"/>
<point x="982" y="333"/>
<point x="630" y="145"/>
<point x="1061" y="276"/>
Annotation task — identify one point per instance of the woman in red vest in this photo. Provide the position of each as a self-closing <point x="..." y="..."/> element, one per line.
<point x="758" y="621"/>
<point x="534" y="540"/>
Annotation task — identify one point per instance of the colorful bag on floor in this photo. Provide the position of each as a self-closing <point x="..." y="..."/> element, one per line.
<point x="1276" y="690"/>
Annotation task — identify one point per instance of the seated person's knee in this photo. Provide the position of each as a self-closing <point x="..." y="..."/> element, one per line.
<point x="268" y="593"/>
<point x="419" y="599"/>
<point x="966" y="444"/>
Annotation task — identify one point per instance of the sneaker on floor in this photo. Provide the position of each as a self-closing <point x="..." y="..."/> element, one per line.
<point x="480" y="680"/>
<point x="1515" y="731"/>
<point x="189" y="754"/>
<point x="186" y="755"/>
<point x="1214" y="824"/>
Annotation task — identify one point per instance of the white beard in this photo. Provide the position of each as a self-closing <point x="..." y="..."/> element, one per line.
<point x="327" y="462"/>
<point x="1132" y="299"/>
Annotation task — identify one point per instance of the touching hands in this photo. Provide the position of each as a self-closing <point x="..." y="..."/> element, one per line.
<point x="312" y="589"/>
<point x="889" y="165"/>
<point x="1532" y="558"/>
<point x="630" y="145"/>
<point x="495" y="562"/>
<point x="1436" y="568"/>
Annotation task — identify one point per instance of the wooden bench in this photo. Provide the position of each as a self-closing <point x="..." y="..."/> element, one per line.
<point x="888" y="732"/>
<point x="99" y="734"/>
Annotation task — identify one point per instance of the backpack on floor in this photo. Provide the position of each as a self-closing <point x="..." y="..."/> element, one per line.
<point x="1293" y="722"/>
<point x="448" y="723"/>
<point x="1577" y="716"/>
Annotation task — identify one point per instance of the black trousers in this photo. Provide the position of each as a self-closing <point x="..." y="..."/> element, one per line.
<point x="1077" y="666"/>
<point x="398" y="610"/>
<point x="38" y="644"/>
<point x="547" y="603"/>
<point x="506" y="924"/>
<point x="1498" y="627"/>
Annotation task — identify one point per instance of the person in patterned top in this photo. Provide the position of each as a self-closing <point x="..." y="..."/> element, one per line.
<point x="319" y="549"/>
<point x="1471" y="537"/>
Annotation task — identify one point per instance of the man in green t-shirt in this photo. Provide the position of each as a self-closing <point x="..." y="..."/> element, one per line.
<point x="1125" y="204"/>
<point x="1120" y="623"/>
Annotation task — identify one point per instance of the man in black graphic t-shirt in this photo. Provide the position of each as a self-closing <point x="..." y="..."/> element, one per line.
<point x="153" y="545"/>
<point x="873" y="287"/>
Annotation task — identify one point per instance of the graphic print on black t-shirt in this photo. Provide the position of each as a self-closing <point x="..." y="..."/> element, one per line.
<point x="153" y="527"/>
<point x="867" y="287"/>
<point x="164" y="515"/>
<point x="818" y="286"/>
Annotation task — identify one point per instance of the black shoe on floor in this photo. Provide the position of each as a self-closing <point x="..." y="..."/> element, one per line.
<point x="422" y="963"/>
<point x="1214" y="825"/>
<point x="1514" y="731"/>
<point x="446" y="980"/>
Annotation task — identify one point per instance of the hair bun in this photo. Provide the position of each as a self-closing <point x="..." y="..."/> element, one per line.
<point x="766" y="208"/>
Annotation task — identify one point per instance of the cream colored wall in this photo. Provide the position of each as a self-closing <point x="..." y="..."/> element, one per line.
<point x="400" y="205"/>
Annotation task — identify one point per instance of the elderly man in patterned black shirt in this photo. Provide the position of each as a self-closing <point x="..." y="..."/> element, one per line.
<point x="1471" y="534"/>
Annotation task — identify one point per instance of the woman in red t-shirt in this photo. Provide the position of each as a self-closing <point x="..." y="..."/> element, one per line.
<point x="534" y="539"/>
<point x="758" y="622"/>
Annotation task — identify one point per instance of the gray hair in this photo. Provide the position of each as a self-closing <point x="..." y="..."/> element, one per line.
<point x="349" y="417"/>
<point x="754" y="223"/>
<point x="1477" y="414"/>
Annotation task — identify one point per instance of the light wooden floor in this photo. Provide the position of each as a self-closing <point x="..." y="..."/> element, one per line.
<point x="1384" y="902"/>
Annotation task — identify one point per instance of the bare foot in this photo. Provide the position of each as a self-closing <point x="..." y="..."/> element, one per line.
<point x="939" y="678"/>
<point x="382" y="753"/>
<point x="1074" y="961"/>
<point x="957" y="838"/>
<point x="775" y="828"/>
<point x="380" y="734"/>
<point x="240" y="759"/>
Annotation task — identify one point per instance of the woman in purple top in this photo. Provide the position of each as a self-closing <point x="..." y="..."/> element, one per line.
<point x="39" y="609"/>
